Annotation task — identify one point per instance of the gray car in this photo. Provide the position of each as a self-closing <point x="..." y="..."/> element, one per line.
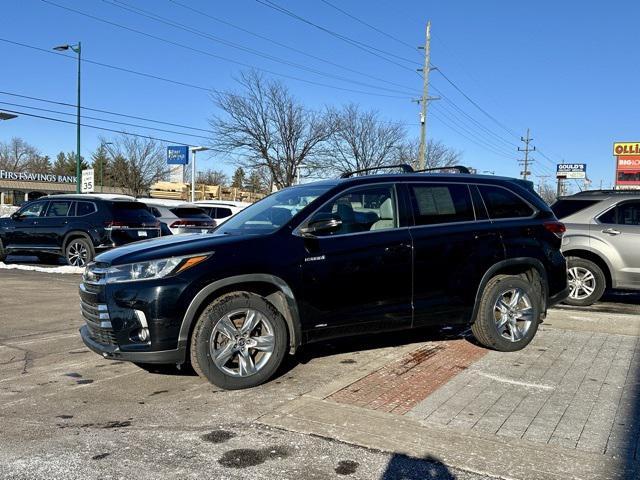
<point x="602" y="242"/>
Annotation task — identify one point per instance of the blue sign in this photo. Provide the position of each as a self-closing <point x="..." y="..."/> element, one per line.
<point x="178" y="155"/>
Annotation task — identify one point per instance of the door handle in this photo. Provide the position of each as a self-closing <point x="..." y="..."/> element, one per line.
<point x="398" y="248"/>
<point x="611" y="231"/>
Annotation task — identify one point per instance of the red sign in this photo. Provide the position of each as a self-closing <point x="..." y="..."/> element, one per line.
<point x="628" y="171"/>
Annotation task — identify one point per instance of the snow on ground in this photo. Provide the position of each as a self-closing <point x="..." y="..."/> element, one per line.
<point x="35" y="268"/>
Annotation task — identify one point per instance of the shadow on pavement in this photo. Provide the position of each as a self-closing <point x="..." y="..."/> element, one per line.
<point x="401" y="467"/>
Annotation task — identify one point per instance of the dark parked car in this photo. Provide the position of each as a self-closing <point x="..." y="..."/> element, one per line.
<point x="75" y="226"/>
<point x="328" y="259"/>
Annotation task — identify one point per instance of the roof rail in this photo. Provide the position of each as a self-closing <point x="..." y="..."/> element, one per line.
<point x="459" y="168"/>
<point x="586" y="193"/>
<point x="403" y="166"/>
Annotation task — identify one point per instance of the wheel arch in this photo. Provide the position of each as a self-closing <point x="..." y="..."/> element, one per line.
<point x="275" y="290"/>
<point x="595" y="258"/>
<point x="75" y="234"/>
<point x="532" y="268"/>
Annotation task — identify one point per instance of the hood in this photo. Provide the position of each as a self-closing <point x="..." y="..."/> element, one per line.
<point x="164" y="247"/>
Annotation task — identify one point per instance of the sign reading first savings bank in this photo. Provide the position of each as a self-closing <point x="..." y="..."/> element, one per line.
<point x="36" y="177"/>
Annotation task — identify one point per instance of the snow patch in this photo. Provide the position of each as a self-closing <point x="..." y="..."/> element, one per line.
<point x="66" y="269"/>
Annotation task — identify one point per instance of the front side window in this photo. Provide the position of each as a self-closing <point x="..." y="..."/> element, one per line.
<point x="361" y="210"/>
<point x="33" y="210"/>
<point x="437" y="203"/>
<point x="58" y="208"/>
<point x="502" y="203"/>
<point x="274" y="211"/>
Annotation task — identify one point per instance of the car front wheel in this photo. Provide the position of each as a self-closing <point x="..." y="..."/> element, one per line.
<point x="239" y="341"/>
<point x="587" y="282"/>
<point x="508" y="314"/>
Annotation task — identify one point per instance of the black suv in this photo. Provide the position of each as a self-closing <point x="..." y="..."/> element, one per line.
<point x="329" y="259"/>
<point x="75" y="226"/>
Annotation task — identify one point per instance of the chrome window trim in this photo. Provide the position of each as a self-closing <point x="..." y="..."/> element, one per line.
<point x="596" y="218"/>
<point x="393" y="184"/>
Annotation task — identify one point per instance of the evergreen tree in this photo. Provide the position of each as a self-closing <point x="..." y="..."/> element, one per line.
<point x="254" y="182"/>
<point x="65" y="164"/>
<point x="238" y="178"/>
<point x="101" y="164"/>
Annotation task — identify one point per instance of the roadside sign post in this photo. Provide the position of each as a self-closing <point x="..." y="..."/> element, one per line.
<point x="87" y="183"/>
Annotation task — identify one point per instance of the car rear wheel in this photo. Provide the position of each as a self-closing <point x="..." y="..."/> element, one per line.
<point x="508" y="314"/>
<point x="587" y="282"/>
<point x="239" y="341"/>
<point x="79" y="252"/>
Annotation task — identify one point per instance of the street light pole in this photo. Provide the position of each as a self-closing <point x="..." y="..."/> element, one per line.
<point x="77" y="49"/>
<point x="193" y="170"/>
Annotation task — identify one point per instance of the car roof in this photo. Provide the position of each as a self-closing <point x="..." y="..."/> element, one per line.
<point x="225" y="203"/>
<point x="164" y="202"/>
<point x="602" y="195"/>
<point x="90" y="196"/>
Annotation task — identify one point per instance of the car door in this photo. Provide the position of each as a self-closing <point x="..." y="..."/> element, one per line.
<point x="21" y="234"/>
<point x="619" y="228"/>
<point x="51" y="227"/>
<point x="358" y="277"/>
<point x="454" y="245"/>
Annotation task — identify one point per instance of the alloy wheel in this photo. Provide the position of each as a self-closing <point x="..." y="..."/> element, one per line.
<point x="513" y="314"/>
<point x="242" y="342"/>
<point x="77" y="254"/>
<point x="582" y="283"/>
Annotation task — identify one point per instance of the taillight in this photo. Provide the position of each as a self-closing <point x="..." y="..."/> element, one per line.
<point x="556" y="228"/>
<point x="191" y="223"/>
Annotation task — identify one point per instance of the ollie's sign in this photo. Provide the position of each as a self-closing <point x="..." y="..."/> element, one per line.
<point x="627" y="164"/>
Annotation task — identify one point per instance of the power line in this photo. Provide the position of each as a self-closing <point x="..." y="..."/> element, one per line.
<point x="214" y="38"/>
<point x="43" y="117"/>
<point x="359" y="20"/>
<point x="283" y="45"/>
<point x="115" y="122"/>
<point x="103" y="111"/>
<point x="219" y="57"/>
<point x="355" y="43"/>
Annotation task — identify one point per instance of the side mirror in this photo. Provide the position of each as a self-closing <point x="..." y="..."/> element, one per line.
<point x="16" y="216"/>
<point x="320" y="226"/>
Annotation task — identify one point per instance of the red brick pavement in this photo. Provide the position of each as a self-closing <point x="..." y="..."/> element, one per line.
<point x="400" y="385"/>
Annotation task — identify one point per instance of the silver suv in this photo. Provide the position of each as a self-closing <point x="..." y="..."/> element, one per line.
<point x="602" y="243"/>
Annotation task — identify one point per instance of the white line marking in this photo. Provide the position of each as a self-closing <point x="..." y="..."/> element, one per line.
<point x="517" y="382"/>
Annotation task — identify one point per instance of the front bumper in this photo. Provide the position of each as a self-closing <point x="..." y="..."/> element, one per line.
<point x="113" y="352"/>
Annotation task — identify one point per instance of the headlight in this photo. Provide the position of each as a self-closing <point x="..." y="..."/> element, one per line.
<point x="153" y="269"/>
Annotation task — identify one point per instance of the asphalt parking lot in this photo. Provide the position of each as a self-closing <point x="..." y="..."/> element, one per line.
<point x="67" y="413"/>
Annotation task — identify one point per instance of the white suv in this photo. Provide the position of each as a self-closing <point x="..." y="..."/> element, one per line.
<point x="221" y="210"/>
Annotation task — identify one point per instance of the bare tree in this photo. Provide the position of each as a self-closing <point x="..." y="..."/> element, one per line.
<point x="360" y="140"/>
<point x="213" y="177"/>
<point x="437" y="154"/>
<point x="547" y="192"/>
<point x="17" y="154"/>
<point x="138" y="163"/>
<point x="267" y="127"/>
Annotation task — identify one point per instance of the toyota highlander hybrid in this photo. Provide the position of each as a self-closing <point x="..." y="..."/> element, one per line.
<point x="362" y="254"/>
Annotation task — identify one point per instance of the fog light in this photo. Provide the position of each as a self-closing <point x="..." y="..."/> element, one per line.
<point x="140" y="335"/>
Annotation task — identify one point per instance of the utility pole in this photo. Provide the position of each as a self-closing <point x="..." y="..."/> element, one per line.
<point x="526" y="150"/>
<point x="425" y="98"/>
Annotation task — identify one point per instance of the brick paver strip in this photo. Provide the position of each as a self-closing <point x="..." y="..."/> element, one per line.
<point x="400" y="385"/>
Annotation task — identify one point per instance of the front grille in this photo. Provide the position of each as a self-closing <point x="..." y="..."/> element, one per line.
<point x="98" y="322"/>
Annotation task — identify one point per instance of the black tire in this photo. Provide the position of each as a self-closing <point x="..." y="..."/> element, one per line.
<point x="201" y="359"/>
<point x="3" y="255"/>
<point x="77" y="244"/>
<point x="485" y="328"/>
<point x="577" y="297"/>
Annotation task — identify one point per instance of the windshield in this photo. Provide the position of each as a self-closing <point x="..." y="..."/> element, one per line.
<point x="272" y="212"/>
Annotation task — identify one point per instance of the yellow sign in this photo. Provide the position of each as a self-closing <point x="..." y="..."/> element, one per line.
<point x="621" y="149"/>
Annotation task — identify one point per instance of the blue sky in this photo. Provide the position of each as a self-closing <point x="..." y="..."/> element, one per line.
<point x="566" y="70"/>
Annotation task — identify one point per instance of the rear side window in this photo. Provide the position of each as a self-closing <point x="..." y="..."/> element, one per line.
<point x="434" y="204"/>
<point x="132" y="212"/>
<point x="189" y="212"/>
<point x="155" y="212"/>
<point x="58" y="208"/>
<point x="84" y="208"/>
<point x="502" y="203"/>
<point x="221" y="212"/>
<point x="566" y="207"/>
<point x="627" y="213"/>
